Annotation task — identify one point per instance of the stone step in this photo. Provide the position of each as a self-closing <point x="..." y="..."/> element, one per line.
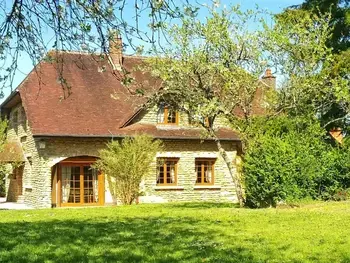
<point x="20" y="199"/>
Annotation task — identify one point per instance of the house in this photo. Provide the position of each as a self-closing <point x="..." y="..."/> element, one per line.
<point x="63" y="113"/>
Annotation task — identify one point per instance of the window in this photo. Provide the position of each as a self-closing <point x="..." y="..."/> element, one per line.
<point x="166" y="171"/>
<point x="205" y="171"/>
<point x="167" y="115"/>
<point x="15" y="116"/>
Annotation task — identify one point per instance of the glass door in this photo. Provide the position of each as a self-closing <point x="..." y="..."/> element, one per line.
<point x="80" y="185"/>
<point x="90" y="185"/>
<point x="70" y="184"/>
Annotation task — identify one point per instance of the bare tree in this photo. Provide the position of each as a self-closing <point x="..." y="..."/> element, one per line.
<point x="28" y="26"/>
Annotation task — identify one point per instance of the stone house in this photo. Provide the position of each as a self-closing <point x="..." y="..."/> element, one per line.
<point x="63" y="113"/>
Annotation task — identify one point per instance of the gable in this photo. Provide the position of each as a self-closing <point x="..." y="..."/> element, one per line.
<point x="81" y="100"/>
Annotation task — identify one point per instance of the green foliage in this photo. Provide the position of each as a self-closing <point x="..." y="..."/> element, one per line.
<point x="289" y="157"/>
<point x="126" y="163"/>
<point x="316" y="79"/>
<point x="288" y="160"/>
<point x="5" y="170"/>
<point x="340" y="12"/>
<point x="210" y="69"/>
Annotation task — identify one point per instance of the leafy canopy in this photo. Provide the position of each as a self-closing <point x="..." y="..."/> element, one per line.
<point x="212" y="66"/>
<point x="299" y="51"/>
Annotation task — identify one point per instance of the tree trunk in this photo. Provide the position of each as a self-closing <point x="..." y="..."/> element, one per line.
<point x="236" y="180"/>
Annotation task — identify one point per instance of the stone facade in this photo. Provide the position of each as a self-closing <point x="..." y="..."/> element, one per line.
<point x="222" y="189"/>
<point x="42" y="153"/>
<point x="150" y="117"/>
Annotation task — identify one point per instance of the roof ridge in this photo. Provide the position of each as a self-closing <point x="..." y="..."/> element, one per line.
<point x="82" y="52"/>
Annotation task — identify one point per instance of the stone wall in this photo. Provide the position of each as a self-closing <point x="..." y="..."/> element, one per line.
<point x="150" y="117"/>
<point x="52" y="151"/>
<point x="42" y="154"/>
<point x="222" y="190"/>
<point x="36" y="180"/>
<point x="18" y="130"/>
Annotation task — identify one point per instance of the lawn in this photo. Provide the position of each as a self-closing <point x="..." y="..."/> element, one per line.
<point x="177" y="233"/>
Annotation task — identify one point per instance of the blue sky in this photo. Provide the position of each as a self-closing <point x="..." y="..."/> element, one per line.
<point x="273" y="6"/>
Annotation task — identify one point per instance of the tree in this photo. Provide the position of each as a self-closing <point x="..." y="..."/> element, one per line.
<point x="288" y="157"/>
<point x="211" y="68"/>
<point x="299" y="51"/>
<point x="26" y="26"/>
<point x="340" y="21"/>
<point x="334" y="113"/>
<point x="125" y="163"/>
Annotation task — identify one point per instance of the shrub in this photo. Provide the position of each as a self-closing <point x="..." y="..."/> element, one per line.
<point x="126" y="162"/>
<point x="289" y="159"/>
<point x="6" y="169"/>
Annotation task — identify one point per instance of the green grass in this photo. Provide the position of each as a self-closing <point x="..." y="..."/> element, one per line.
<point x="177" y="233"/>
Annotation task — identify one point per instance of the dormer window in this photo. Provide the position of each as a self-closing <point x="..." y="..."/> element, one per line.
<point x="167" y="115"/>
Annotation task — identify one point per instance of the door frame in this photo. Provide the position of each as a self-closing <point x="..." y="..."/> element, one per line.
<point x="79" y="161"/>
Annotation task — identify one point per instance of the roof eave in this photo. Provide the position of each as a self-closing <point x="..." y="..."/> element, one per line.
<point x="9" y="99"/>
<point x="123" y="136"/>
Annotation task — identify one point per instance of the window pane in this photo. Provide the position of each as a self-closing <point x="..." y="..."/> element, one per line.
<point x="70" y="184"/>
<point x="160" y="173"/>
<point x="199" y="172"/>
<point x="171" y="116"/>
<point x="207" y="172"/>
<point x="160" y="115"/>
<point x="90" y="185"/>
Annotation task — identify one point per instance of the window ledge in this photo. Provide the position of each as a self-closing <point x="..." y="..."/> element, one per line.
<point x="168" y="127"/>
<point x="170" y="187"/>
<point x="201" y="187"/>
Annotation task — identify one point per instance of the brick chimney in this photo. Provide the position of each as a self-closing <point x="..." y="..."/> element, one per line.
<point x="269" y="79"/>
<point x="116" y="50"/>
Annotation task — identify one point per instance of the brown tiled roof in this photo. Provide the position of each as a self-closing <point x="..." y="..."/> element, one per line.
<point x="99" y="105"/>
<point x="170" y="132"/>
<point x="11" y="152"/>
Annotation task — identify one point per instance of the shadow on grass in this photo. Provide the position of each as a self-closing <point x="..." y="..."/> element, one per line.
<point x="202" y="205"/>
<point x="144" y="239"/>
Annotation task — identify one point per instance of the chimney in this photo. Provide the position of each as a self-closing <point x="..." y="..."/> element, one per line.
<point x="269" y="79"/>
<point x="116" y="50"/>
